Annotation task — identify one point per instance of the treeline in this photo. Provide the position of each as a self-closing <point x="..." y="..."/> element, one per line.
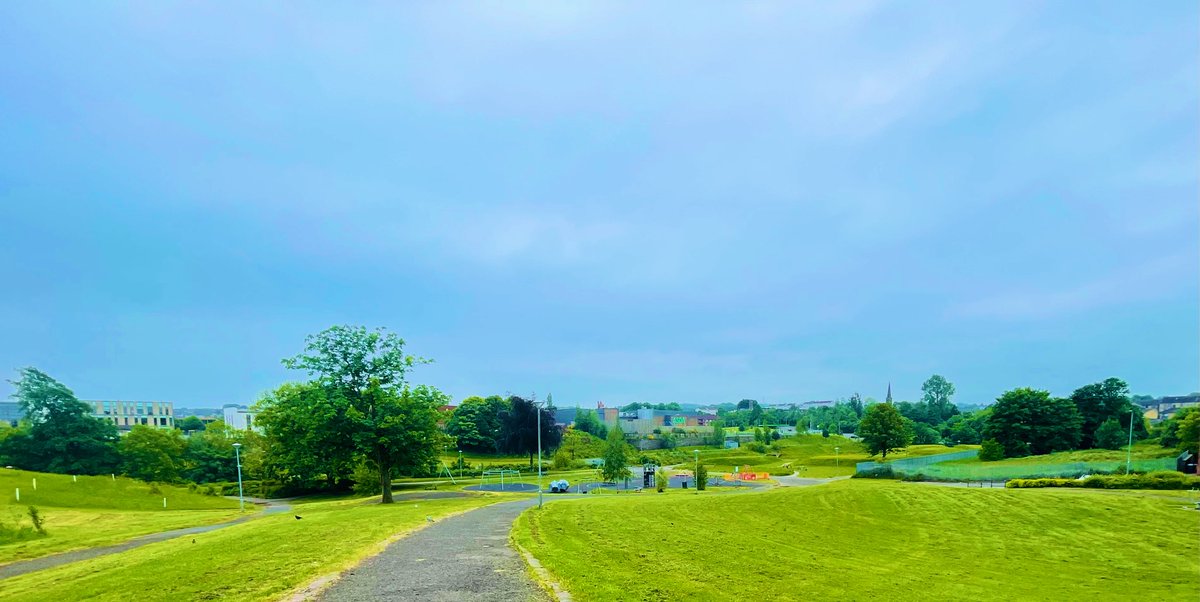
<point x="60" y="435"/>
<point x="503" y="425"/>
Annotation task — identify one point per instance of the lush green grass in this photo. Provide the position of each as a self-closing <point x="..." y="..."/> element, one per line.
<point x="809" y="455"/>
<point x="1147" y="456"/>
<point x="860" y="539"/>
<point x="62" y="491"/>
<point x="94" y="511"/>
<point x="73" y="529"/>
<point x="263" y="559"/>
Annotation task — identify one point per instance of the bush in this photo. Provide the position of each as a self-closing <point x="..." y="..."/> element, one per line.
<point x="661" y="479"/>
<point x="37" y="519"/>
<point x="990" y="451"/>
<point x="366" y="480"/>
<point x="701" y="477"/>
<point x="880" y="472"/>
<point x="756" y="447"/>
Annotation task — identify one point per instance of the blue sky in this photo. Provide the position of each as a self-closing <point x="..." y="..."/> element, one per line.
<point x="693" y="203"/>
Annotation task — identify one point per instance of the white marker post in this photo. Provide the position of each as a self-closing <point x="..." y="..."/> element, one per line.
<point x="74" y="478"/>
<point x="35" y="484"/>
<point x="164" y="502"/>
<point x="18" y="494"/>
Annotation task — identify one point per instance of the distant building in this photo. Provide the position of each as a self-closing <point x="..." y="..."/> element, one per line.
<point x="1164" y="408"/>
<point x="239" y="417"/>
<point x="127" y="414"/>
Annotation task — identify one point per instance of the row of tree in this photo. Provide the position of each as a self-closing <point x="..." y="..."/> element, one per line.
<point x="509" y="425"/>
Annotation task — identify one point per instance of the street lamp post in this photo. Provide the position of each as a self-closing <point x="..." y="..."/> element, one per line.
<point x="1129" y="449"/>
<point x="696" y="474"/>
<point x="538" y="407"/>
<point x="460" y="464"/>
<point x="837" y="456"/>
<point x="237" y="453"/>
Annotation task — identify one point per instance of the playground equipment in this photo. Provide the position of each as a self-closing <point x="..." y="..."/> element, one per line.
<point x="499" y="476"/>
<point x="559" y="486"/>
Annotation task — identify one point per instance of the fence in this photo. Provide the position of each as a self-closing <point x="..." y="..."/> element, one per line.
<point x="912" y="465"/>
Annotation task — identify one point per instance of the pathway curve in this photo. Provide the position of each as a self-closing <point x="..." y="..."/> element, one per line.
<point x="463" y="557"/>
<point x="36" y="564"/>
<point x="794" y="481"/>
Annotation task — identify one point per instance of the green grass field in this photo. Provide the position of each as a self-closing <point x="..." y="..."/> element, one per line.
<point x="809" y="455"/>
<point x="871" y="540"/>
<point x="259" y="560"/>
<point x="1146" y="456"/>
<point x="95" y="511"/>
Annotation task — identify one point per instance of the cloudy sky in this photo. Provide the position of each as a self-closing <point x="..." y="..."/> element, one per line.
<point x="693" y="203"/>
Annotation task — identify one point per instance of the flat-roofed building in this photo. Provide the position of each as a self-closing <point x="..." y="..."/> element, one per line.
<point x="127" y="414"/>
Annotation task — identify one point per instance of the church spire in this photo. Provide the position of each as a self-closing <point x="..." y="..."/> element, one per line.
<point x="889" y="397"/>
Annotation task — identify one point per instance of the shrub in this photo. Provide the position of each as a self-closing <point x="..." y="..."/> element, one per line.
<point x="661" y="479"/>
<point x="990" y="451"/>
<point x="1164" y="479"/>
<point x="701" y="477"/>
<point x="37" y="519"/>
<point x="154" y="489"/>
<point x="366" y="480"/>
<point x="879" y="472"/>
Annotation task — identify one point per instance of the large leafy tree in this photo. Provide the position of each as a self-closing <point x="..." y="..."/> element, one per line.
<point x="856" y="405"/>
<point x="587" y="421"/>
<point x="883" y="430"/>
<point x="937" y="393"/>
<point x="309" y="436"/>
<point x="61" y="435"/>
<point x="520" y="428"/>
<point x="153" y="454"/>
<point x="1103" y="401"/>
<point x="476" y="424"/>
<point x="363" y="374"/>
<point x="1028" y="421"/>
<point x="397" y="430"/>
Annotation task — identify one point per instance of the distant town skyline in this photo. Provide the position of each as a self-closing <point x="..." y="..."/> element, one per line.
<point x="777" y="202"/>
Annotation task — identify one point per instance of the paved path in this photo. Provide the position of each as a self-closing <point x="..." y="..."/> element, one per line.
<point x="36" y="564"/>
<point x="464" y="557"/>
<point x="795" y="481"/>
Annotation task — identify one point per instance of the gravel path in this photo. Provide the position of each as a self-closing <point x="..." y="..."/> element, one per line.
<point x="464" y="557"/>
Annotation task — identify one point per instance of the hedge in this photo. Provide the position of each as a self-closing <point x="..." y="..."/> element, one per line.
<point x="1163" y="479"/>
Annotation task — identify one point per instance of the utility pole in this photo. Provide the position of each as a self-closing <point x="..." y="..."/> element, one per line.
<point x="538" y="409"/>
<point x="1129" y="449"/>
<point x="237" y="452"/>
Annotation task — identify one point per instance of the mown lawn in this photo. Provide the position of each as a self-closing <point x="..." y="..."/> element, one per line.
<point x="871" y="540"/>
<point x="73" y="529"/>
<point x="1146" y="456"/>
<point x="63" y="491"/>
<point x="259" y="560"/>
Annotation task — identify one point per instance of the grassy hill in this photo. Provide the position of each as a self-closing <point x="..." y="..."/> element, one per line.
<point x="85" y="512"/>
<point x="871" y="540"/>
<point x="1147" y="456"/>
<point x="809" y="455"/>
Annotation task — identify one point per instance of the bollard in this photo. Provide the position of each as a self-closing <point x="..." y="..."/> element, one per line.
<point x="35" y="484"/>
<point x="164" y="502"/>
<point x="18" y="494"/>
<point x="74" y="478"/>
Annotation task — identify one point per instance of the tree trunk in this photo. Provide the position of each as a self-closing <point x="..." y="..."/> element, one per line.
<point x="385" y="477"/>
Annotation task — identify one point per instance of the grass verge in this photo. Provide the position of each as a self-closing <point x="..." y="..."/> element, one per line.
<point x="868" y="540"/>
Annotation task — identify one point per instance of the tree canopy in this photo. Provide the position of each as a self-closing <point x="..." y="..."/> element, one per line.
<point x="61" y="434"/>
<point x="616" y="456"/>
<point x="1028" y="421"/>
<point x="520" y="428"/>
<point x="476" y="423"/>
<point x="883" y="430"/>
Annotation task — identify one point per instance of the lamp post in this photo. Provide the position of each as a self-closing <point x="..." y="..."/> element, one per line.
<point x="837" y="456"/>
<point x="237" y="452"/>
<point x="538" y="408"/>
<point x="1129" y="449"/>
<point x="696" y="474"/>
<point x="460" y="464"/>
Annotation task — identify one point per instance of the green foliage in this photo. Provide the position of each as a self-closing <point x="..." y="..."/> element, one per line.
<point x="936" y="394"/>
<point x="856" y="405"/>
<point x="717" y="438"/>
<point x="366" y="479"/>
<point x="61" y="435"/>
<point x="1028" y="421"/>
<point x="476" y="424"/>
<point x="153" y="454"/>
<point x="1110" y="435"/>
<point x="587" y="422"/>
<point x="701" y="477"/>
<point x="1189" y="432"/>
<point x="923" y="434"/>
<point x="991" y="451"/>
<point x="882" y="430"/>
<point x="38" y="520"/>
<point x="309" y="434"/>
<point x="189" y="424"/>
<point x="519" y="431"/>
<point x="964" y="432"/>
<point x="662" y="480"/>
<point x="1156" y="480"/>
<point x="1102" y="401"/>
<point x="616" y="456"/>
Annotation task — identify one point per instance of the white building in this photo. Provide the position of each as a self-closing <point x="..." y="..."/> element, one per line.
<point x="238" y="417"/>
